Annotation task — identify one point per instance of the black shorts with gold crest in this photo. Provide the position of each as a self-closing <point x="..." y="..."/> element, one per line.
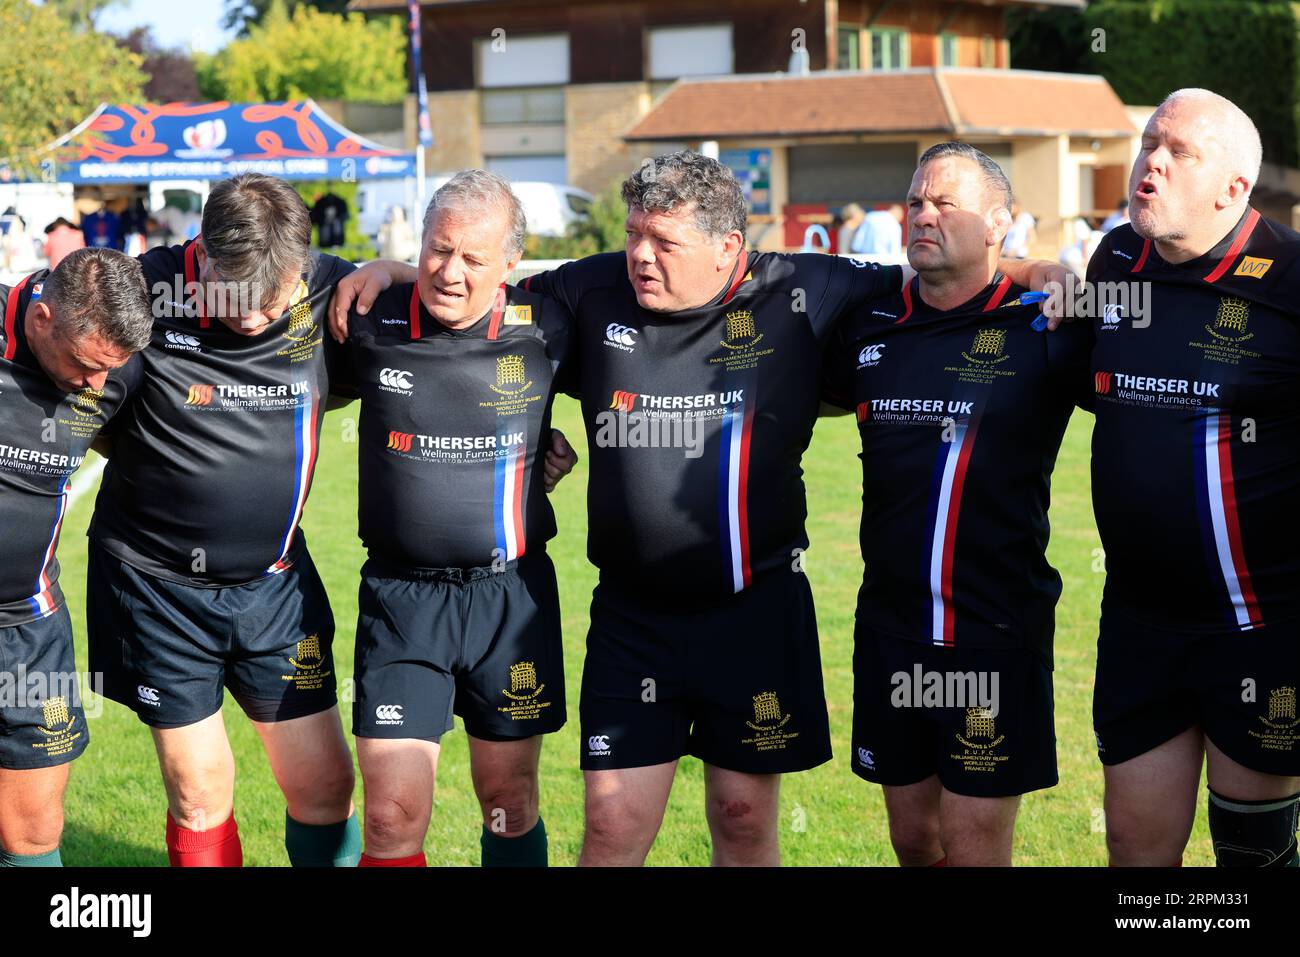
<point x="42" y="723"/>
<point x="1238" y="687"/>
<point x="482" y="643"/>
<point x="979" y="718"/>
<point x="736" y="681"/>
<point x="168" y="650"/>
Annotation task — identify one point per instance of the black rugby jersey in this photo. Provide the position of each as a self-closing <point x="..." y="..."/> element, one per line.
<point x="961" y="414"/>
<point x="1196" y="452"/>
<point x="44" y="436"/>
<point x="212" y="462"/>
<point x="454" y="428"/>
<point x="697" y="420"/>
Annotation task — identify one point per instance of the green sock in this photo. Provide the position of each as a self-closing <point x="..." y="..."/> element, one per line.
<point x="526" y="850"/>
<point x="323" y="845"/>
<point x="48" y="859"/>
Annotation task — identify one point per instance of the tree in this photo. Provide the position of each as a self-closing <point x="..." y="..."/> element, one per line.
<point x="1247" y="51"/>
<point x="600" y="231"/>
<point x="81" y="13"/>
<point x="245" y="14"/>
<point x="310" y="54"/>
<point x="52" y="77"/>
<point x="170" y="72"/>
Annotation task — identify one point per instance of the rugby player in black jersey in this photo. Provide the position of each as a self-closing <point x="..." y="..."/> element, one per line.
<point x="459" y="608"/>
<point x="699" y="367"/>
<point x="66" y="367"/>
<point x="198" y="578"/>
<point x="961" y="406"/>
<point x="1196" y="488"/>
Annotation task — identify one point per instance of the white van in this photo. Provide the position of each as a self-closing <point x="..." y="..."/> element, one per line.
<point x="550" y="207"/>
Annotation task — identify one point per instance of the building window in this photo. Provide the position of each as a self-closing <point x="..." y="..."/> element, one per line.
<point x="523" y="61"/>
<point x="988" y="52"/>
<point x="673" y="52"/>
<point x="850" y="42"/>
<point x="529" y="169"/>
<point x="538" y="104"/>
<point x="947" y="49"/>
<point x="889" y="49"/>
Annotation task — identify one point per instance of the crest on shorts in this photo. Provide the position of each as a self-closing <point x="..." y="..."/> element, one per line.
<point x="57" y="722"/>
<point x="523" y="682"/>
<point x="1281" y="729"/>
<point x="769" y="729"/>
<point x="979" y="723"/>
<point x="307" y="654"/>
<point x="524" y="699"/>
<point x="1281" y="704"/>
<point x="309" y="671"/>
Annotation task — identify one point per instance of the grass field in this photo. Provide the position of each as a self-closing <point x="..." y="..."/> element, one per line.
<point x="116" y="808"/>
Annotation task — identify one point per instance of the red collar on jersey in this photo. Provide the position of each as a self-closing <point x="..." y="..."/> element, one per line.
<point x="494" y="324"/>
<point x="192" y="278"/>
<point x="11" y="318"/>
<point x="995" y="298"/>
<point x="1230" y="257"/>
<point x="738" y="278"/>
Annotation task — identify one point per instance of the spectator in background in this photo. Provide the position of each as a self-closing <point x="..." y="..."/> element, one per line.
<point x="103" y="229"/>
<point x="329" y="216"/>
<point x="397" y="239"/>
<point x="1117" y="218"/>
<point x="135" y="226"/>
<point x="1086" y="241"/>
<point x="881" y="233"/>
<point x="850" y="218"/>
<point x="1022" y="234"/>
<point x="61" y="238"/>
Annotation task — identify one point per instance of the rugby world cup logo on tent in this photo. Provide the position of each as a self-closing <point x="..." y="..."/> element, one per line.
<point x="203" y="140"/>
<point x="1101" y="383"/>
<point x="400" y="441"/>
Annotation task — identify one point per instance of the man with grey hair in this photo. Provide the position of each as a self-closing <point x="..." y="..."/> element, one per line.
<point x="67" y="366"/>
<point x="1195" y="459"/>
<point x="459" y="607"/>
<point x="198" y="576"/>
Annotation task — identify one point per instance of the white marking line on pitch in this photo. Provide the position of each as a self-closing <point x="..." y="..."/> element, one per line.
<point x="84" y="479"/>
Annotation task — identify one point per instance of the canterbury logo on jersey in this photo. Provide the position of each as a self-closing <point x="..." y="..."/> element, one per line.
<point x="870" y="355"/>
<point x="179" y="340"/>
<point x="389" y="714"/>
<point x="396" y="380"/>
<point x="147" y="695"/>
<point x="200" y="395"/>
<point x="598" y="744"/>
<point x="400" y="441"/>
<point x="620" y="337"/>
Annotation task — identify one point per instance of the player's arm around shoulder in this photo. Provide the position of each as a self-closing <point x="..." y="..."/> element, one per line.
<point x="389" y="308"/>
<point x="553" y="324"/>
<point x="357" y="290"/>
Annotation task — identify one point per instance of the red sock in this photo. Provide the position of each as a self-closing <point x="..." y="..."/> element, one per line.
<point x="217" y="847"/>
<point x="415" y="860"/>
<point x="941" y="862"/>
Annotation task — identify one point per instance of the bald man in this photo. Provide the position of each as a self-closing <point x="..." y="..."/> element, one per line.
<point x="1196" y="488"/>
